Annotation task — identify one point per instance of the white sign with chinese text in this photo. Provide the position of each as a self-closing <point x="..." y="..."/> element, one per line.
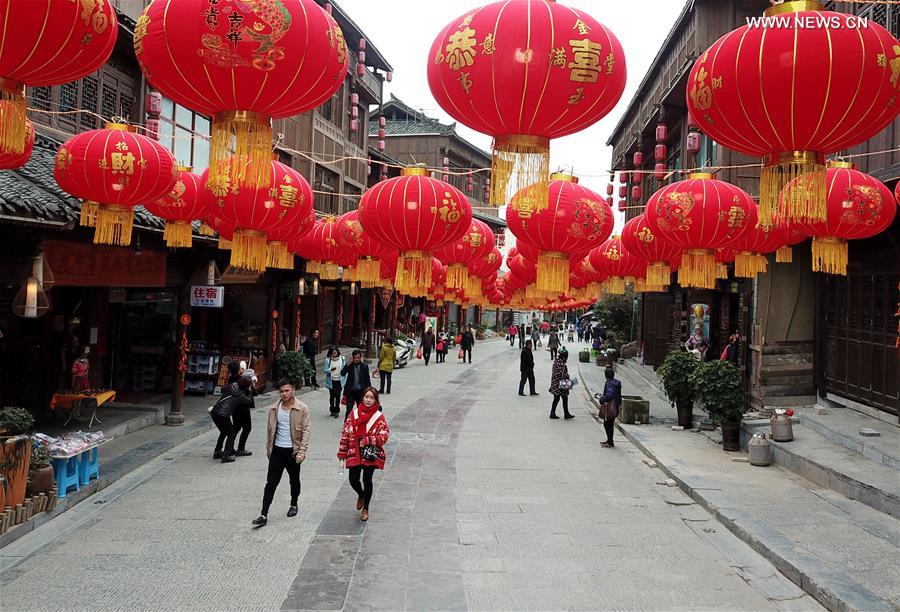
<point x="206" y="296"/>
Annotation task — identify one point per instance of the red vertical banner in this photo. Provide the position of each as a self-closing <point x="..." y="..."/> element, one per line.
<point x="297" y="324"/>
<point x="340" y="316"/>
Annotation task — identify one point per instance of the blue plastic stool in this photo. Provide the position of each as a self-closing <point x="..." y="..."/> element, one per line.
<point x="89" y="465"/>
<point x="66" y="471"/>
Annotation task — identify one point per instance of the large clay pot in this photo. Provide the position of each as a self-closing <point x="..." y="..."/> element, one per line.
<point x="15" y="459"/>
<point x="40" y="480"/>
<point x="685" y="414"/>
<point x="731" y="436"/>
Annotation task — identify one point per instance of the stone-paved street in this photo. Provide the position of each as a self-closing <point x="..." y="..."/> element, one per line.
<point x="486" y="504"/>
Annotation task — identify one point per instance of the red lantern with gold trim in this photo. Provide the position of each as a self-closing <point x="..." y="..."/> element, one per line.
<point x="284" y="201"/>
<point x="724" y="256"/>
<point x="617" y="264"/>
<point x="10" y="160"/>
<point x="416" y="215"/>
<point x="791" y="93"/>
<point x="575" y="220"/>
<point x="47" y="43"/>
<point x="321" y="249"/>
<point x="244" y="63"/>
<point x="352" y="237"/>
<point x="476" y="243"/>
<point x="278" y="242"/>
<point x="859" y="206"/>
<point x="752" y="248"/>
<point x="179" y="207"/>
<point x="561" y="72"/>
<point x="113" y="170"/>
<point x="700" y="215"/>
<point x="663" y="257"/>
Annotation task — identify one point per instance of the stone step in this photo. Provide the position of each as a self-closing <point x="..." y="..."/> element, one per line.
<point x="797" y="388"/>
<point x="789" y="401"/>
<point x="786" y="359"/>
<point x="832" y="466"/>
<point x="842" y="426"/>
<point x="788" y="369"/>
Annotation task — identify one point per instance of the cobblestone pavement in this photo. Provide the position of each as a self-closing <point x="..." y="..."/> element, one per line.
<point x="486" y="504"/>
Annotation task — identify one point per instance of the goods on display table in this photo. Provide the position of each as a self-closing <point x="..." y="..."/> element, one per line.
<point x="76" y="458"/>
<point x="74" y="401"/>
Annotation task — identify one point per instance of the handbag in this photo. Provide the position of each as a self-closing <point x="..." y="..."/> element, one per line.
<point x="565" y="384"/>
<point x="609" y="410"/>
<point x="462" y="353"/>
<point x="419" y="353"/>
<point x="371" y="453"/>
<point x="344" y="400"/>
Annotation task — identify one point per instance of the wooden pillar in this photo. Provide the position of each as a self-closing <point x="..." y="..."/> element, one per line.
<point x="371" y="335"/>
<point x="176" y="416"/>
<point x="339" y="320"/>
<point x="392" y="305"/>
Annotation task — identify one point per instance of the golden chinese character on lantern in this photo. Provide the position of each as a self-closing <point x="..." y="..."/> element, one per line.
<point x="288" y="196"/>
<point x="487" y="46"/>
<point x="558" y="57"/>
<point x="582" y="27"/>
<point x="585" y="67"/>
<point x="895" y="67"/>
<point x="701" y="93"/>
<point x="122" y="163"/>
<point x="461" y="49"/>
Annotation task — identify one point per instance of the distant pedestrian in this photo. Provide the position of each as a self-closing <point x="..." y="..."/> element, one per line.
<point x="580" y="330"/>
<point x="236" y="396"/>
<point x="521" y="335"/>
<point x="357" y="374"/>
<point x="362" y="447"/>
<point x="553" y="345"/>
<point x="241" y="418"/>
<point x="610" y="405"/>
<point x="730" y="353"/>
<point x="526" y="368"/>
<point x="287" y="440"/>
<point x="545" y="327"/>
<point x="513" y="333"/>
<point x="466" y="344"/>
<point x="427" y="345"/>
<point x="386" y="357"/>
<point x="535" y="336"/>
<point x="440" y="349"/>
<point x="310" y="350"/>
<point x="560" y="383"/>
<point x="334" y="382"/>
<point x="422" y="320"/>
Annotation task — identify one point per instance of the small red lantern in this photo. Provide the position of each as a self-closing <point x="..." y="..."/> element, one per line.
<point x="350" y="235"/>
<point x="622" y="206"/>
<point x="638" y="159"/>
<point x="637" y="177"/>
<point x="279" y="240"/>
<point x="662" y="132"/>
<point x="693" y="143"/>
<point x="10" y="160"/>
<point x="610" y="190"/>
<point x="660" y="152"/>
<point x="113" y="170"/>
<point x="663" y="257"/>
<point x="623" y="177"/>
<point x="179" y="207"/>
<point x="637" y="193"/>
<point x="623" y="191"/>
<point x="476" y="243"/>
<point x="660" y="171"/>
<point x="617" y="264"/>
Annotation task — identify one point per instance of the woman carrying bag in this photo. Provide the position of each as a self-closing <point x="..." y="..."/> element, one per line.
<point x="334" y="382"/>
<point x="560" y="383"/>
<point x="362" y="447"/>
<point x="610" y="404"/>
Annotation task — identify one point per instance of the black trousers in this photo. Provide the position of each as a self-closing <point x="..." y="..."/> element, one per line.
<point x="281" y="459"/>
<point x="529" y="377"/>
<point x="226" y="434"/>
<point x="512" y="340"/>
<point x="334" y="397"/>
<point x="521" y="341"/>
<point x="366" y="488"/>
<point x="242" y="424"/>
<point x="311" y="379"/>
<point x="565" y="403"/>
<point x="467" y="352"/>
<point x="426" y="355"/>
<point x="553" y="353"/>
<point x="610" y="427"/>
<point x="353" y="398"/>
<point x="439" y="356"/>
<point x="385" y="380"/>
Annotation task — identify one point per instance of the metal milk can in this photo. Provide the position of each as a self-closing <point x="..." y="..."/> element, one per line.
<point x="782" y="430"/>
<point x="760" y="450"/>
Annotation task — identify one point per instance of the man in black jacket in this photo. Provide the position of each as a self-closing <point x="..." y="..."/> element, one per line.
<point x="526" y="367"/>
<point x="310" y="350"/>
<point x="358" y="381"/>
<point x="468" y="341"/>
<point x="239" y="396"/>
<point x="521" y="335"/>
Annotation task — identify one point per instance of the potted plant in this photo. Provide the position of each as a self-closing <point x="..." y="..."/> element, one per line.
<point x="40" y="476"/>
<point x="15" y="452"/>
<point x="719" y="387"/>
<point x="675" y="372"/>
<point x="293" y="366"/>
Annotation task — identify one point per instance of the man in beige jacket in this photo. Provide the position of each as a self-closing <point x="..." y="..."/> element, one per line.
<point x="287" y="439"/>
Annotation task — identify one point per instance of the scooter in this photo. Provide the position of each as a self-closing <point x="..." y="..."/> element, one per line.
<point x="404" y="350"/>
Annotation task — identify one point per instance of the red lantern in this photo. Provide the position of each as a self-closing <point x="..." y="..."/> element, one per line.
<point x="660" y="152"/>
<point x="8" y="159"/>
<point x="575" y="220"/>
<point x="617" y="264"/>
<point x="47" y="43"/>
<point x="638" y="159"/>
<point x="662" y="133"/>
<point x="623" y="206"/>
<point x="243" y="63"/>
<point x="700" y="215"/>
<point x="414" y="214"/>
<point x="351" y="236"/>
<point x="179" y="207"/>
<point x="279" y="240"/>
<point x="561" y="72"/>
<point x="285" y="200"/>
<point x="623" y="177"/>
<point x="751" y="249"/>
<point x="693" y="143"/>
<point x="859" y="206"/>
<point x="637" y="176"/>
<point x="610" y="190"/>
<point x="660" y="171"/>
<point x="623" y="191"/>
<point x="724" y="256"/>
<point x="321" y="250"/>
<point x="113" y="170"/>
<point x="765" y="92"/>
<point x="637" y="193"/>
<point x="475" y="244"/>
<point x="663" y="257"/>
<point x="609" y="201"/>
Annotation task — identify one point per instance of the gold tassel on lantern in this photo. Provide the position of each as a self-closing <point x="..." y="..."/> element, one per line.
<point x="13" y="127"/>
<point x="523" y="161"/>
<point x="803" y="172"/>
<point x="224" y="244"/>
<point x="553" y="272"/>
<point x="329" y="271"/>
<point x="748" y="265"/>
<point x="368" y="270"/>
<point x="114" y="225"/>
<point x="698" y="269"/>
<point x="178" y="234"/>
<point x="278" y="256"/>
<point x="457" y="276"/>
<point x="829" y="255"/>
<point x="206" y="230"/>
<point x="658" y="274"/>
<point x="615" y="285"/>
<point x="241" y="149"/>
<point x="248" y="250"/>
<point x="413" y="272"/>
<point x="721" y="271"/>
<point x="784" y="255"/>
<point x="313" y="267"/>
<point x="88" y="217"/>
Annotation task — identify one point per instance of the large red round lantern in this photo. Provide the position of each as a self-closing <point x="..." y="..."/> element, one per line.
<point x="47" y="43"/>
<point x="9" y="159"/>
<point x="662" y="257"/>
<point x="414" y="214"/>
<point x="751" y="249"/>
<point x="804" y="83"/>
<point x="351" y="236"/>
<point x="524" y="72"/>
<point x="278" y="242"/>
<point x="859" y="206"/>
<point x="699" y="215"/>
<point x="476" y="243"/>
<point x="321" y="249"/>
<point x="617" y="264"/>
<point x="575" y="220"/>
<point x="284" y="201"/>
<point x="113" y="170"/>
<point x="244" y="63"/>
<point x="179" y="207"/>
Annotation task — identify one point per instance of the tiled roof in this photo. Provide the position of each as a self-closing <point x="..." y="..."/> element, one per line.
<point x="415" y="128"/>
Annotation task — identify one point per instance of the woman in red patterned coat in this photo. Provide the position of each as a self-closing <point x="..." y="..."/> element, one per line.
<point x="362" y="447"/>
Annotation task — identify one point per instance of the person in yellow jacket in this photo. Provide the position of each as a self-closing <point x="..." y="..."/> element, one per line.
<point x="386" y="363"/>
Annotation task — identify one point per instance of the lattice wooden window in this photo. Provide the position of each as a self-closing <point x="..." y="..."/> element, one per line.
<point x="90" y="86"/>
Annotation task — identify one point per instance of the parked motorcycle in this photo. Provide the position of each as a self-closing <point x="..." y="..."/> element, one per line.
<point x="404" y="351"/>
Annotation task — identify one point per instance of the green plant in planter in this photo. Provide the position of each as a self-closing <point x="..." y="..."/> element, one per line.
<point x="293" y="366"/>
<point x="675" y="372"/>
<point x="718" y="386"/>
<point x="15" y="421"/>
<point x="40" y="456"/>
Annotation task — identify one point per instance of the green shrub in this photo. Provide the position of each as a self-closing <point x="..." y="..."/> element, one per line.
<point x="292" y="366"/>
<point x="15" y="421"/>
<point x="719" y="386"/>
<point x="40" y="455"/>
<point x="675" y="372"/>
